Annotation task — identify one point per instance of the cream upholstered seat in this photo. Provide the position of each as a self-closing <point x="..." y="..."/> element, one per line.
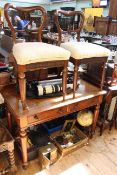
<point x="81" y="50"/>
<point x="86" y="53"/>
<point x="33" y="56"/>
<point x="33" y="52"/>
<point x="40" y="55"/>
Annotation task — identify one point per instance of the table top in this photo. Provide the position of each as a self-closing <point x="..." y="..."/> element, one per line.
<point x="105" y="44"/>
<point x="96" y="37"/>
<point x="85" y="91"/>
<point x="113" y="88"/>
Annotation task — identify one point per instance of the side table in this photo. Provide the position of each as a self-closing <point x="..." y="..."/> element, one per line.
<point x="7" y="144"/>
<point x="43" y="110"/>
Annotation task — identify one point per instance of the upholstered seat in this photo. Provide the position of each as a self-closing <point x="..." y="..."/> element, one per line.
<point x="81" y="50"/>
<point x="32" y="52"/>
<point x="86" y="53"/>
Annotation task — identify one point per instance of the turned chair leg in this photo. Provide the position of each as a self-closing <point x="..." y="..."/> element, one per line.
<point x="64" y="81"/>
<point x="106" y="110"/>
<point x="75" y="79"/>
<point x="13" y="168"/>
<point x="22" y="89"/>
<point x="95" y="118"/>
<point x="103" y="76"/>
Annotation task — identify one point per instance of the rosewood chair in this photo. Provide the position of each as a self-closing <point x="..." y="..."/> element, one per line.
<point x="7" y="144"/>
<point x="81" y="52"/>
<point x="112" y="92"/>
<point x="30" y="56"/>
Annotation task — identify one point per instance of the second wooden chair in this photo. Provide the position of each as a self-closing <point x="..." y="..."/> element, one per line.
<point x="81" y="52"/>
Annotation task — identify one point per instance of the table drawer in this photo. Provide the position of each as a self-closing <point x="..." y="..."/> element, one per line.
<point x="47" y="115"/>
<point x="73" y="107"/>
<point x="83" y="104"/>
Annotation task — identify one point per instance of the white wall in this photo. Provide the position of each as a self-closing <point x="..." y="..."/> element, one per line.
<point x="83" y="4"/>
<point x="54" y="6"/>
<point x="31" y="1"/>
<point x="25" y="4"/>
<point x="78" y="4"/>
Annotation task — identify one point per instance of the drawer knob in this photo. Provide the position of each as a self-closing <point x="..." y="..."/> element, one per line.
<point x="36" y="117"/>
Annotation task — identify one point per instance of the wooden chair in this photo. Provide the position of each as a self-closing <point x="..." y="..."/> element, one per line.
<point x="112" y="92"/>
<point x="7" y="144"/>
<point x="30" y="56"/>
<point x="81" y="52"/>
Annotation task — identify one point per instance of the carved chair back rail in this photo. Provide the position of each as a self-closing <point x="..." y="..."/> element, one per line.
<point x="77" y="16"/>
<point x="8" y="6"/>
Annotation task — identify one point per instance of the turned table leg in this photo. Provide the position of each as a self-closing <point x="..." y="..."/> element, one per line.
<point x="75" y="79"/>
<point x="23" y="137"/>
<point x="96" y="114"/>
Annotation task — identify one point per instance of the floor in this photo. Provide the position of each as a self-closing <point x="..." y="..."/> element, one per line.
<point x="97" y="158"/>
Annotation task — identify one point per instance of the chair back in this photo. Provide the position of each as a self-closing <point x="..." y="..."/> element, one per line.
<point x="26" y="14"/>
<point x="70" y="22"/>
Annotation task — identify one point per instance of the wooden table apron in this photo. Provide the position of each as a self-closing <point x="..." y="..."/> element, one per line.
<point x="26" y="121"/>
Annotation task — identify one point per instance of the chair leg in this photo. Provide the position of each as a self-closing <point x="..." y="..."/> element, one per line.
<point x="75" y="79"/>
<point x="103" y="76"/>
<point x="9" y="121"/>
<point x="64" y="81"/>
<point x="106" y="110"/>
<point x="96" y="115"/>
<point x="22" y="89"/>
<point x="116" y="121"/>
<point x="12" y="162"/>
<point x="13" y="167"/>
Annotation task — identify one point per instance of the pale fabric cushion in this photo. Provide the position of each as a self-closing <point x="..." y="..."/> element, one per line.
<point x="1" y="99"/>
<point x="32" y="52"/>
<point x="112" y="107"/>
<point x="80" y="50"/>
